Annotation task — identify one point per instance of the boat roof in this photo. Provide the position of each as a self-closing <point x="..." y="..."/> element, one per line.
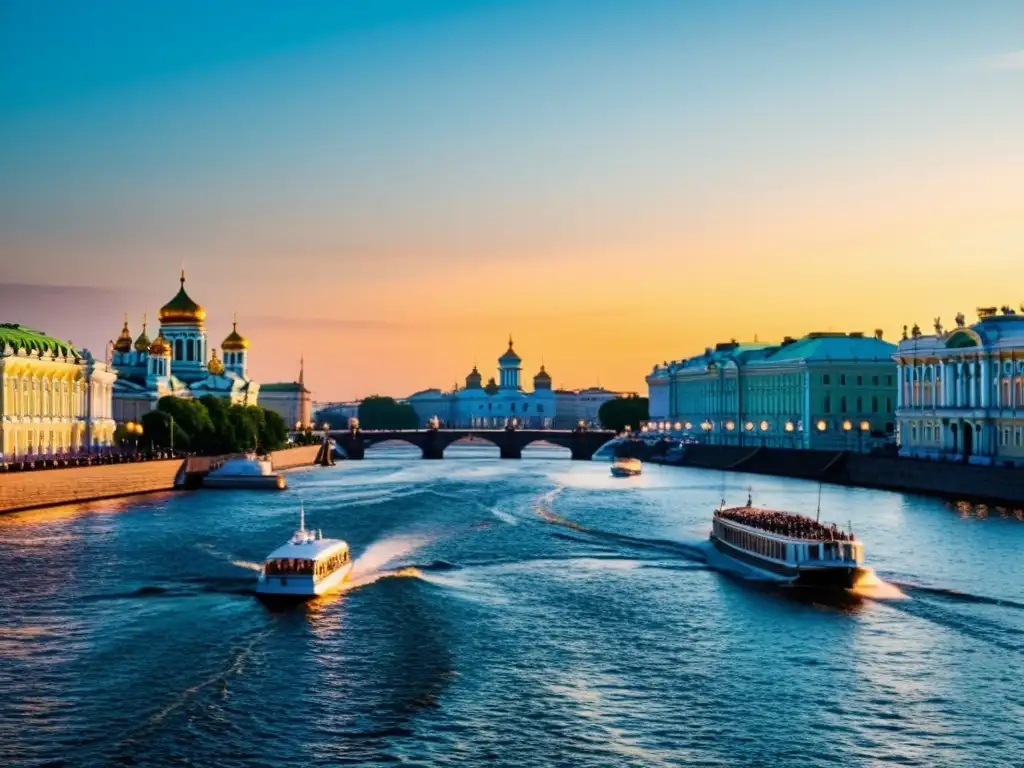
<point x="307" y="549"/>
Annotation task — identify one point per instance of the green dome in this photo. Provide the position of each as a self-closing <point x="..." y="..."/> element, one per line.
<point x="15" y="337"/>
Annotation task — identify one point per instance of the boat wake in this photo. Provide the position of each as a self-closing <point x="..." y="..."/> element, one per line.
<point x="372" y="565"/>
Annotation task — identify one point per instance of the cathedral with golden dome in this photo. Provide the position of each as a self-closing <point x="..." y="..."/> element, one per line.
<point x="178" y="361"/>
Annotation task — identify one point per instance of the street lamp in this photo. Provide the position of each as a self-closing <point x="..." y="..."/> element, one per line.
<point x="865" y="426"/>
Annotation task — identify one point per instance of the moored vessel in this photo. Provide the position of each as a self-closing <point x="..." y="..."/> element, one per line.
<point x="797" y="549"/>
<point x="246" y="471"/>
<point x="307" y="566"/>
<point x="626" y="467"/>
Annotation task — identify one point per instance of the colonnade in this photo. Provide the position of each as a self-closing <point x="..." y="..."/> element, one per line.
<point x="974" y="383"/>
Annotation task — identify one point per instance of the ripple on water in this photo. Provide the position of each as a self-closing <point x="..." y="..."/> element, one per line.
<point x="508" y="612"/>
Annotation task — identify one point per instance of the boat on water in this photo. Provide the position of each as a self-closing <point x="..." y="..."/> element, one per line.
<point x="307" y="566"/>
<point x="246" y="471"/>
<point x="626" y="467"/>
<point x="798" y="549"/>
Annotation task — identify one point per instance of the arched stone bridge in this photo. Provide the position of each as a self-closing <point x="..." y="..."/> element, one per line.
<point x="583" y="444"/>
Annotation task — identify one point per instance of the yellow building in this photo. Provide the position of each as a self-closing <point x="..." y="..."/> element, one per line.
<point x="54" y="399"/>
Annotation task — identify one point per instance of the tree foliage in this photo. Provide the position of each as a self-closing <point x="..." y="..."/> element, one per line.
<point x="212" y="426"/>
<point x="623" y="412"/>
<point x="377" y="412"/>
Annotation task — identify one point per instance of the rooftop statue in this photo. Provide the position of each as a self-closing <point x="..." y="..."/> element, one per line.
<point x="916" y="331"/>
<point x="960" y="320"/>
<point x="938" y="326"/>
<point x="904" y="333"/>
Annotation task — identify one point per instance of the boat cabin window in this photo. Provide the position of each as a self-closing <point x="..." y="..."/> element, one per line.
<point x="330" y="564"/>
<point x="813" y="552"/>
<point x="289" y="566"/>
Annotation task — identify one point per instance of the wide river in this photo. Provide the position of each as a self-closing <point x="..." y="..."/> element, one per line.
<point x="511" y="613"/>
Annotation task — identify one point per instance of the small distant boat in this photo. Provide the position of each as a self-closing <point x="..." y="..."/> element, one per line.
<point x="248" y="471"/>
<point x="799" y="549"/>
<point x="627" y="467"/>
<point x="306" y="567"/>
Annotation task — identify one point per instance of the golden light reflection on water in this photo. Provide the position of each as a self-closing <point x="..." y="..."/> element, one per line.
<point x="71" y="511"/>
<point x="980" y="511"/>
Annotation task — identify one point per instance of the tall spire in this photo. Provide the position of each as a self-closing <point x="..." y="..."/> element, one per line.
<point x="182" y="277"/>
<point x="234" y="320"/>
<point x="302" y="371"/>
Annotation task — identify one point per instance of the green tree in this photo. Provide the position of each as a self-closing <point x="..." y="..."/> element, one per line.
<point x="377" y="412"/>
<point x="156" y="426"/>
<point x="623" y="412"/>
<point x="193" y="429"/>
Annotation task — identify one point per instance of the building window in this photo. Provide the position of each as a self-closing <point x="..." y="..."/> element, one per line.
<point x="888" y="404"/>
<point x="888" y="380"/>
<point x="874" y="404"/>
<point x="874" y="380"/>
<point x="178" y="351"/>
<point x="842" y="379"/>
<point x="825" y="379"/>
<point x="842" y="404"/>
<point x="828" y="404"/>
<point x="860" y="380"/>
<point x="190" y="350"/>
<point x="860" y="405"/>
<point x="540" y="408"/>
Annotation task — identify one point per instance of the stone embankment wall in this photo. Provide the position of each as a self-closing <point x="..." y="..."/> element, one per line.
<point x="947" y="479"/>
<point x="289" y="458"/>
<point x="50" y="487"/>
<point x="958" y="481"/>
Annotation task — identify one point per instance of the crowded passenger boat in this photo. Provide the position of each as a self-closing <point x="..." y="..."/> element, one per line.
<point x="306" y="567"/>
<point x="626" y="467"/>
<point x="799" y="549"/>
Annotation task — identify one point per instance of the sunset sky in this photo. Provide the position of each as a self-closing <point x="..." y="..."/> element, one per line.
<point x="391" y="188"/>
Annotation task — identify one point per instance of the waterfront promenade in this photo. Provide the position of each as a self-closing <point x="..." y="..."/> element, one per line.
<point x="67" y="485"/>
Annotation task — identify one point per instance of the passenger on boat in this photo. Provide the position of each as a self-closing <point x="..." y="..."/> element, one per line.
<point x="784" y="524"/>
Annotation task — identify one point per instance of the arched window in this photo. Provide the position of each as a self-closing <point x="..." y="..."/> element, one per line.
<point x="178" y="351"/>
<point x="190" y="349"/>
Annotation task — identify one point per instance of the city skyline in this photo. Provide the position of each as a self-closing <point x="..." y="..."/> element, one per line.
<point x="391" y="188"/>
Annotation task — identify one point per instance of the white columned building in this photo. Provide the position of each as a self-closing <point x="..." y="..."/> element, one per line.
<point x="973" y="410"/>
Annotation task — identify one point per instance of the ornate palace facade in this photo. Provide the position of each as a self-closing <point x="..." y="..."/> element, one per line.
<point x="961" y="394"/>
<point x="54" y="399"/>
<point x="824" y="391"/>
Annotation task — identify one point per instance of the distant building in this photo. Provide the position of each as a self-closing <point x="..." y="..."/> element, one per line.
<point x="54" y="398"/>
<point x="336" y="414"/>
<point x="575" y="405"/>
<point x="961" y="393"/>
<point x="824" y="391"/>
<point x="494" y="404"/>
<point x="289" y="399"/>
<point x="178" y="362"/>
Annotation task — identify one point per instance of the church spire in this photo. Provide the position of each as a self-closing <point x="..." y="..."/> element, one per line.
<point x="302" y="371"/>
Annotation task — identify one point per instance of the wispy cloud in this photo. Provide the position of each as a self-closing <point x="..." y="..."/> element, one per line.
<point x="1004" y="62"/>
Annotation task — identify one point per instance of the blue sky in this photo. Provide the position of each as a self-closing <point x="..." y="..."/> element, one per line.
<point x="477" y="159"/>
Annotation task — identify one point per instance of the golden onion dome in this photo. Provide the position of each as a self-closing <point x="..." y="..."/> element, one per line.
<point x="160" y="347"/>
<point x="215" y="366"/>
<point x="235" y="342"/>
<point x="142" y="343"/>
<point x="181" y="310"/>
<point x="124" y="341"/>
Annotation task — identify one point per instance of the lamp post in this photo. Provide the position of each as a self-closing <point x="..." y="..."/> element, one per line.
<point x="865" y="426"/>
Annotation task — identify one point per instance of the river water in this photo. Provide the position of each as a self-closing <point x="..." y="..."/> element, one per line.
<point x="514" y="613"/>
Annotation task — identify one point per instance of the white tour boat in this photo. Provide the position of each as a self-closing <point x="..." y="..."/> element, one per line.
<point x="626" y="467"/>
<point x="799" y="549"/>
<point x="306" y="567"/>
<point x="246" y="471"/>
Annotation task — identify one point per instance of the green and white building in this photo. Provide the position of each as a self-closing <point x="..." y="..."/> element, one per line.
<point x="829" y="391"/>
